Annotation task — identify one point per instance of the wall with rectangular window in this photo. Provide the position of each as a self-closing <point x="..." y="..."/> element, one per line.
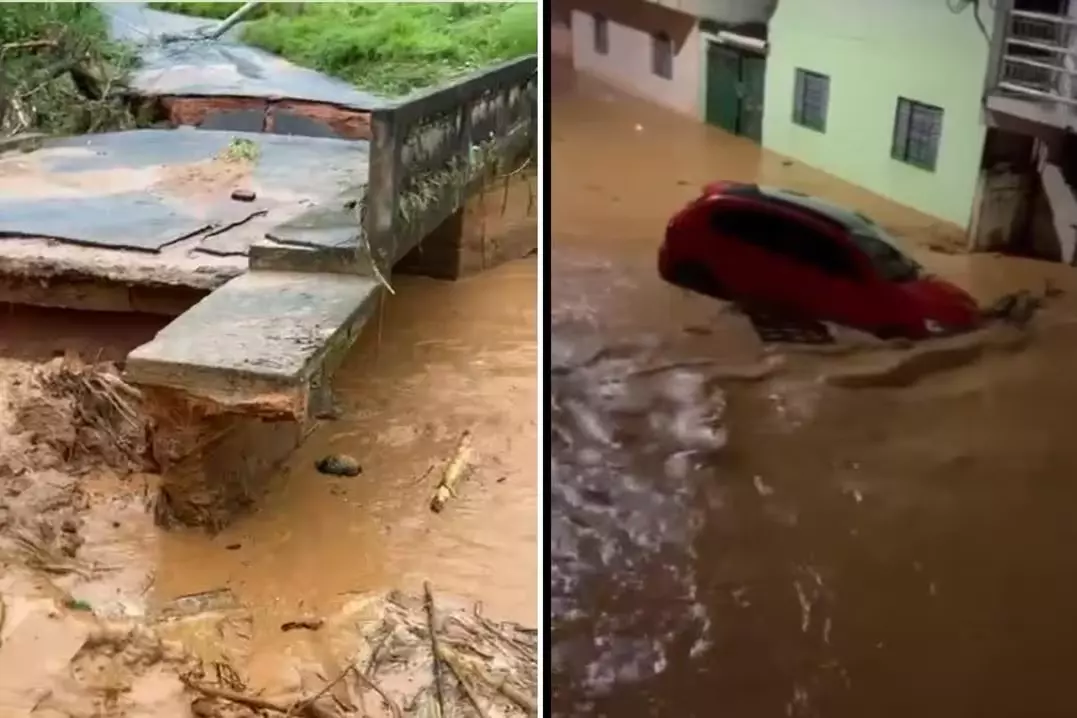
<point x="643" y="48"/>
<point x="810" y="99"/>
<point x="872" y="53"/>
<point x="662" y="54"/>
<point x="600" y="34"/>
<point x="917" y="133"/>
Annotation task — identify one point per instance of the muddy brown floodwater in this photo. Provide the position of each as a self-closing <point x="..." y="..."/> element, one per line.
<point x="449" y="356"/>
<point x="764" y="535"/>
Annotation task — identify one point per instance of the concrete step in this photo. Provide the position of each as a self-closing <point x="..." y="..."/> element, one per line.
<point x="265" y="343"/>
<point x="1063" y="204"/>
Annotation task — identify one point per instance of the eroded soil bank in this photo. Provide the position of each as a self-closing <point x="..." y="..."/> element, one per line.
<point x="866" y="529"/>
<point x="288" y="595"/>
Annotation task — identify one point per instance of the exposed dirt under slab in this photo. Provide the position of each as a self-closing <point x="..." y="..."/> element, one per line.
<point x="194" y="111"/>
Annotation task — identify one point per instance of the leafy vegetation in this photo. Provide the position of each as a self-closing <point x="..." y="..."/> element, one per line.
<point x="58" y="70"/>
<point x="392" y="47"/>
<point x="240" y="150"/>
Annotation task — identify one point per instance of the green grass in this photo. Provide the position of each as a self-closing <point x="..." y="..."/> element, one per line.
<point x="59" y="71"/>
<point x="391" y="48"/>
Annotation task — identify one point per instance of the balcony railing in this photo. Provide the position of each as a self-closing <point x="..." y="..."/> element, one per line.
<point x="1039" y="57"/>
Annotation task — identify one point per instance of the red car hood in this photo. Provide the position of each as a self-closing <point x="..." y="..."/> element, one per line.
<point x="943" y="302"/>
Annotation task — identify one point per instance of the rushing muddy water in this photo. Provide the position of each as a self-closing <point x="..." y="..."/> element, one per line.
<point x="449" y="356"/>
<point x="761" y="535"/>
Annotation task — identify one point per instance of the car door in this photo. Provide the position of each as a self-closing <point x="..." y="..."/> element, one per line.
<point x="835" y="286"/>
<point x="778" y="260"/>
<point x="751" y="257"/>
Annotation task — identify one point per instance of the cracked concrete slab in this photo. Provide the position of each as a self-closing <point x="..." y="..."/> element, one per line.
<point x="218" y="68"/>
<point x="155" y="206"/>
<point x="259" y="341"/>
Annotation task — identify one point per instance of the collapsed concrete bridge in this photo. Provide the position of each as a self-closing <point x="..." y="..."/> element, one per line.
<point x="269" y="217"/>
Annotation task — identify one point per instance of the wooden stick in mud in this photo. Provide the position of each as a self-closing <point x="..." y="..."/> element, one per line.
<point x="381" y="320"/>
<point x="302" y="708"/>
<point x="367" y="676"/>
<point x="454" y="471"/>
<point x="258" y="704"/>
<point x="517" y="696"/>
<point x="465" y="684"/>
<point x="435" y="647"/>
<point x="369" y="682"/>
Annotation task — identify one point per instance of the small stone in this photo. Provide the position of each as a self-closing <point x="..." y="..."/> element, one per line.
<point x="69" y="526"/>
<point x="338" y="465"/>
<point x="243" y="195"/>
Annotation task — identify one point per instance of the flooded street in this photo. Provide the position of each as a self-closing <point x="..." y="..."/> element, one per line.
<point x="753" y="531"/>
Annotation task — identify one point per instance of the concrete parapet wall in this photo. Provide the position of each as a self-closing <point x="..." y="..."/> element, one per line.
<point x="496" y="224"/>
<point x="428" y="151"/>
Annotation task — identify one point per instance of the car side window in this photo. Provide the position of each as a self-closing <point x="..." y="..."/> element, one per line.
<point x="778" y="235"/>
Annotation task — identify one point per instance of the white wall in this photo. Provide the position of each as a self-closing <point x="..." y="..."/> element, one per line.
<point x="628" y="64"/>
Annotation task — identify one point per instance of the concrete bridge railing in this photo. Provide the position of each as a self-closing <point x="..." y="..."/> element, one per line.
<point x="430" y="151"/>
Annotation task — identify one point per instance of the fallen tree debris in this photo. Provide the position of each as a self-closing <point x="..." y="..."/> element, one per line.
<point x="429" y="659"/>
<point x="260" y="704"/>
<point x="454" y="472"/>
<point x="435" y="649"/>
<point x="1016" y="308"/>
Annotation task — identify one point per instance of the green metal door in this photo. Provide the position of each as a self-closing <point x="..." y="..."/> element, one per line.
<point x="752" y="76"/>
<point x="723" y="87"/>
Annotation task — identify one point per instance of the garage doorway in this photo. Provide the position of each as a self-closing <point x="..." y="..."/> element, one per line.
<point x="734" y="89"/>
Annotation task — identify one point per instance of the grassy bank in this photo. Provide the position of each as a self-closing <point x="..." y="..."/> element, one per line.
<point x="57" y="70"/>
<point x="390" y="48"/>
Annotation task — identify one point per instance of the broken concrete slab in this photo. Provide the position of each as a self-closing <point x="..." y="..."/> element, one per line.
<point x="260" y="343"/>
<point x="214" y="68"/>
<point x="154" y="207"/>
<point x="146" y="224"/>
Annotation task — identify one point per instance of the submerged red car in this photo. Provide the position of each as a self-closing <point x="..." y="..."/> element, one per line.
<point x="804" y="258"/>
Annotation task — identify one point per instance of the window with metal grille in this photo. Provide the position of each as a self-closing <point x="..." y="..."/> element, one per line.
<point x="601" y="34"/>
<point x="662" y="55"/>
<point x="917" y="132"/>
<point x="811" y="98"/>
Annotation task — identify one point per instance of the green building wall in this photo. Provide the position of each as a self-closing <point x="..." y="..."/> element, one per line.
<point x="875" y="51"/>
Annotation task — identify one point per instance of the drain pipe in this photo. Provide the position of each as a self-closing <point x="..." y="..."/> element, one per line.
<point x="212" y="34"/>
<point x="229" y="22"/>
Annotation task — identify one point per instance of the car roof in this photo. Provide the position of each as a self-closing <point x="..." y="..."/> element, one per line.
<point x="848" y="219"/>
